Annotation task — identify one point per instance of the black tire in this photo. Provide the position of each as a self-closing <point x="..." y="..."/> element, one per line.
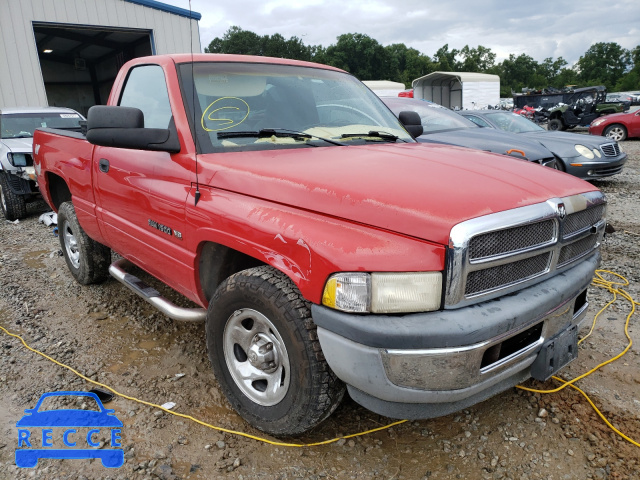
<point x="289" y="388"/>
<point x="555" y="124"/>
<point x="14" y="207"/>
<point x="88" y="260"/>
<point x="616" y="132"/>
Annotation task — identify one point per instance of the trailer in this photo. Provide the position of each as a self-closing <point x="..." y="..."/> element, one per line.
<point x="459" y="90"/>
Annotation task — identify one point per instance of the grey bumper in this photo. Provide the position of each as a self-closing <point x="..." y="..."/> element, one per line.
<point x="597" y="168"/>
<point x="430" y="364"/>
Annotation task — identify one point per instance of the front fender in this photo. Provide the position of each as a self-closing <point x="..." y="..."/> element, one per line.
<point x="306" y="246"/>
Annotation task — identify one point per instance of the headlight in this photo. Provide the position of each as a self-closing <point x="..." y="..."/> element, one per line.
<point x="584" y="151"/>
<point x="597" y="153"/>
<point x="17" y="159"/>
<point x="384" y="292"/>
<point x="597" y="122"/>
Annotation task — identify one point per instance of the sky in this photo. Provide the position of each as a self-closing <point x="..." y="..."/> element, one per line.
<point x="540" y="29"/>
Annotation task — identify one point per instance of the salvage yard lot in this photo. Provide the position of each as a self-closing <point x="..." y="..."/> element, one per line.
<point x="115" y="338"/>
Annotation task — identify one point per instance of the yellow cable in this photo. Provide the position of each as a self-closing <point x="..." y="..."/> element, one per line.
<point x="600" y="414"/>
<point x="599" y="281"/>
<point x="189" y="417"/>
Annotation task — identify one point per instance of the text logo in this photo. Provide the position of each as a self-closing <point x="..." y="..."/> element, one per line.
<point x="69" y="433"/>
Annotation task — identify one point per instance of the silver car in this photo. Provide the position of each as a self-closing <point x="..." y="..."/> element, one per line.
<point x="17" y="176"/>
<point x="584" y="156"/>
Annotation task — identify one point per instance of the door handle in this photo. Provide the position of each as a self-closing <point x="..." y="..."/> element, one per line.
<point x="104" y="165"/>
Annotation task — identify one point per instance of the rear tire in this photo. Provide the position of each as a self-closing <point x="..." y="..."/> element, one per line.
<point x="14" y="207"/>
<point x="88" y="260"/>
<point x="616" y="132"/>
<point x="265" y="353"/>
<point x="555" y="124"/>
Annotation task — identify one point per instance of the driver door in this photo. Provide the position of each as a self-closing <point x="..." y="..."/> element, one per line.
<point x="141" y="194"/>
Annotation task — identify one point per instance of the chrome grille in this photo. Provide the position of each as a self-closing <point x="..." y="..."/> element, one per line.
<point x="484" y="280"/>
<point x="610" y="149"/>
<point x="575" y="250"/>
<point x="503" y="252"/>
<point x="579" y="220"/>
<point x="511" y="239"/>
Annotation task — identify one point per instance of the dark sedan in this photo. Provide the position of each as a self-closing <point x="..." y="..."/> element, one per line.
<point x="584" y="156"/>
<point x="441" y="125"/>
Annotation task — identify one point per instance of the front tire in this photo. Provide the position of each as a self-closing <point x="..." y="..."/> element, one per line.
<point x="616" y="132"/>
<point x="88" y="260"/>
<point x="14" y="207"/>
<point x="264" y="351"/>
<point x="555" y="124"/>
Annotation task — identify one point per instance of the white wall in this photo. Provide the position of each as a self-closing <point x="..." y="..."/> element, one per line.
<point x="21" y="81"/>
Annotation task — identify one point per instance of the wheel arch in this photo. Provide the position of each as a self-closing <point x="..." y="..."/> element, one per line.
<point x="57" y="190"/>
<point x="216" y="262"/>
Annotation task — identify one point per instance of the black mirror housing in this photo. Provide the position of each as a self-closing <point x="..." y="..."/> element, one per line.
<point x="123" y="127"/>
<point x="412" y="123"/>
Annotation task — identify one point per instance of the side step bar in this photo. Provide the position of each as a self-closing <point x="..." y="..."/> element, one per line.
<point x="151" y="295"/>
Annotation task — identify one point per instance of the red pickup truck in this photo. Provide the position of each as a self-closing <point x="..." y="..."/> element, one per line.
<point x="326" y="247"/>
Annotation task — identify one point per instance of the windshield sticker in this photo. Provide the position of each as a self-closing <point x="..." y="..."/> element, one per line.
<point x="69" y="115"/>
<point x="224" y="113"/>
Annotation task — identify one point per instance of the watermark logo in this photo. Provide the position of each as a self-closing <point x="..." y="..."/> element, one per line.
<point x="69" y="433"/>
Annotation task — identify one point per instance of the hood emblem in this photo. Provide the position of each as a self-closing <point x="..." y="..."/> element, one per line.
<point x="562" y="211"/>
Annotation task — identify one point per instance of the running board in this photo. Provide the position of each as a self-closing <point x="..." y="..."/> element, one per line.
<point x="151" y="295"/>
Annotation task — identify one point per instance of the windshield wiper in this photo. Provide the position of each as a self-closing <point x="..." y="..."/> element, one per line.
<point x="277" y="132"/>
<point x="372" y="133"/>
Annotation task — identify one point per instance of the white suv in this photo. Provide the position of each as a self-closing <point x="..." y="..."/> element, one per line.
<point x="17" y="176"/>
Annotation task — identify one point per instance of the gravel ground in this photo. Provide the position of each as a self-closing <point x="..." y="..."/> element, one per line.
<point x="111" y="336"/>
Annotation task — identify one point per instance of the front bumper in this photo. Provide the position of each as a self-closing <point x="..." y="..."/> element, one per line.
<point x="596" y="168"/>
<point x="431" y="364"/>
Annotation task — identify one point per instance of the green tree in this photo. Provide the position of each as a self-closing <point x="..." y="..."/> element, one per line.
<point x="517" y="73"/>
<point x="479" y="59"/>
<point x="360" y="55"/>
<point x="238" y="41"/>
<point x="550" y="69"/>
<point x="445" y="59"/>
<point x="604" y="63"/>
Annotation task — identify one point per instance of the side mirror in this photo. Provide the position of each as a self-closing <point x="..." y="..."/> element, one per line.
<point x="412" y="123"/>
<point x="123" y="127"/>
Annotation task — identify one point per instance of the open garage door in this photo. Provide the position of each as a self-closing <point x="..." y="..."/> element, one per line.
<point x="79" y="63"/>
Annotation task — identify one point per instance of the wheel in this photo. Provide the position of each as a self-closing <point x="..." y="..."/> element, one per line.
<point x="14" y="207"/>
<point x="555" y="124"/>
<point x="87" y="259"/>
<point x="560" y="165"/>
<point x="616" y="132"/>
<point x="264" y="350"/>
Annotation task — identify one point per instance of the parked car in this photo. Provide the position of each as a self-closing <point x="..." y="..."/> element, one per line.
<point x="441" y="125"/>
<point x="635" y="97"/>
<point x="586" y="157"/>
<point x="17" y="176"/>
<point x="618" y="126"/>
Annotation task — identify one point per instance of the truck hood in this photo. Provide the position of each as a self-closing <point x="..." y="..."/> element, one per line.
<point x="488" y="140"/>
<point x="19" y="145"/>
<point x="420" y="190"/>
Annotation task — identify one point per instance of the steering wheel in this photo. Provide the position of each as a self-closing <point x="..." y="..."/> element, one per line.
<point x="350" y="109"/>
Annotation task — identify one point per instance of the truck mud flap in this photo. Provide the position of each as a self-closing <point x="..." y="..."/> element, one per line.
<point x="556" y="353"/>
<point x="151" y="295"/>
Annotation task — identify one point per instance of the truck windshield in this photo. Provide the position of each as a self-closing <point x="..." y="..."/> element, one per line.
<point x="22" y="125"/>
<point x="251" y="99"/>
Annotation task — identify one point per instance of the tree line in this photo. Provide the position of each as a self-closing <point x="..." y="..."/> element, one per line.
<point x="604" y="63"/>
